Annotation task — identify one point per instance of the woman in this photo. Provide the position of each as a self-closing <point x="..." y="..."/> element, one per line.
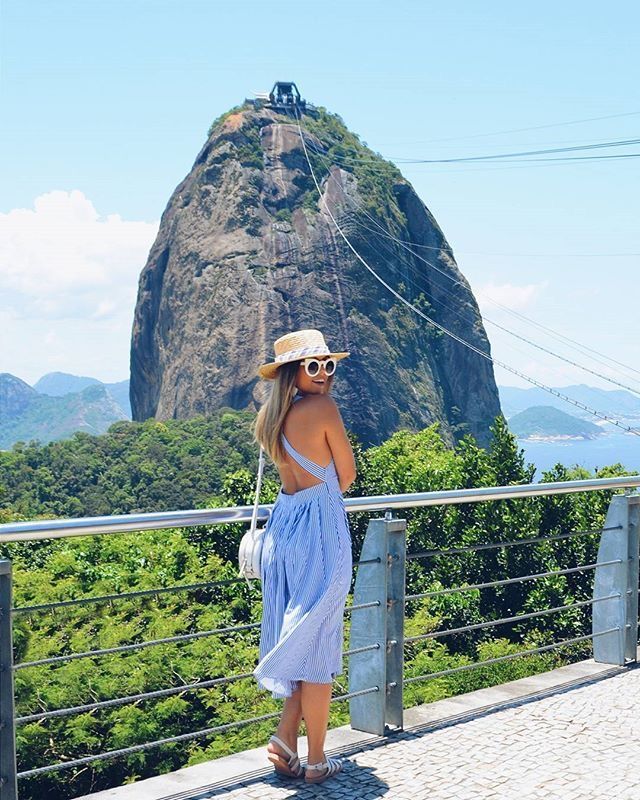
<point x="306" y="553"/>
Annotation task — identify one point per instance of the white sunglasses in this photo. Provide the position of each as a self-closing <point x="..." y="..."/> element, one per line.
<point x="312" y="366"/>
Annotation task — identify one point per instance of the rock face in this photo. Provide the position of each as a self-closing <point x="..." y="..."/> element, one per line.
<point x="246" y="252"/>
<point x="15" y="396"/>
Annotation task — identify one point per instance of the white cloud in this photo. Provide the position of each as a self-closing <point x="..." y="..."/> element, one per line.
<point x="61" y="259"/>
<point x="68" y="281"/>
<point x="51" y="338"/>
<point x="508" y="294"/>
<point x="105" y="309"/>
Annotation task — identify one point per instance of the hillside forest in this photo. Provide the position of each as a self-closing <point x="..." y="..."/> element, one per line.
<point x="135" y="589"/>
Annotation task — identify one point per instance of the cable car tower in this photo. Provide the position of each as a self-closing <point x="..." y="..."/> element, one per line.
<point x="284" y="98"/>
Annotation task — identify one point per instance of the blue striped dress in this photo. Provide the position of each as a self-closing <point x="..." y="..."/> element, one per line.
<point x="306" y="575"/>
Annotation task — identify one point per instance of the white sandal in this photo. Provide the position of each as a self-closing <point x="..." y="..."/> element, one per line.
<point x="292" y="766"/>
<point x="331" y="765"/>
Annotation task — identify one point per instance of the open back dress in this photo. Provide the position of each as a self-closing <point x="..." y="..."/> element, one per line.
<point x="306" y="575"/>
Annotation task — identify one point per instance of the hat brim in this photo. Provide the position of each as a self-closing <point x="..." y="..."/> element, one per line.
<point x="268" y="371"/>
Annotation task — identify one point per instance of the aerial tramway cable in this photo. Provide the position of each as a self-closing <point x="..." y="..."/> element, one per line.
<point x="502" y="157"/>
<point x="521" y="130"/>
<point x="517" y="335"/>
<point x="432" y="321"/>
<point x="404" y="270"/>
<point x="359" y="208"/>
<point x="468" y="318"/>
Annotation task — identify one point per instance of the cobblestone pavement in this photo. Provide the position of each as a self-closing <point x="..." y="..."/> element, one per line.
<point x="577" y="744"/>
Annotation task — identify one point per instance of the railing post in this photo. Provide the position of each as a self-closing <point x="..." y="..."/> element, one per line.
<point x="622" y="543"/>
<point x="383" y="582"/>
<point x="8" y="769"/>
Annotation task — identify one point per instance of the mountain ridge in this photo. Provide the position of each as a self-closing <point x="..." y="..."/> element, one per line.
<point x="27" y="414"/>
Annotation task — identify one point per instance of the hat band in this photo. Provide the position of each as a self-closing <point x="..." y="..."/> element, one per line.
<point x="290" y="355"/>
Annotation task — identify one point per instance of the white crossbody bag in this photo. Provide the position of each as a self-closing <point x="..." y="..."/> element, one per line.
<point x="250" y="550"/>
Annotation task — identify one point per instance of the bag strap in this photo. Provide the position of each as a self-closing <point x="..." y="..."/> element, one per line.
<point x="254" y="516"/>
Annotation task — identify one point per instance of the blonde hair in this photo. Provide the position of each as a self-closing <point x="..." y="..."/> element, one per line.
<point x="269" y="421"/>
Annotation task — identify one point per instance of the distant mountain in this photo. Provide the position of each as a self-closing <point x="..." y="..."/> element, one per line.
<point x="617" y="402"/>
<point x="120" y="393"/>
<point x="27" y="414"/>
<point x="57" y="384"/>
<point x="15" y="396"/>
<point x="547" y="422"/>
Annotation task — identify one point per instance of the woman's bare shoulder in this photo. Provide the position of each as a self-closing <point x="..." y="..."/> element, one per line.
<point x="320" y="407"/>
<point x="317" y="401"/>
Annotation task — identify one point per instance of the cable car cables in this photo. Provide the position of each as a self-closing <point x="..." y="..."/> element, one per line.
<point x="432" y="321"/>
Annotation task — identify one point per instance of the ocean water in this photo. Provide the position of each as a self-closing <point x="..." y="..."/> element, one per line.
<point x="588" y="453"/>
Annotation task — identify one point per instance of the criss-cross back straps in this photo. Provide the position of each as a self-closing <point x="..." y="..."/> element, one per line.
<point x="306" y="463"/>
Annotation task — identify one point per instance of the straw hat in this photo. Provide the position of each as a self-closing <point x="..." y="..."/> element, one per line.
<point x="295" y="346"/>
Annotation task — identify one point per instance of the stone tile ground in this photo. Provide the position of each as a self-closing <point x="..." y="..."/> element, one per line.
<point x="581" y="743"/>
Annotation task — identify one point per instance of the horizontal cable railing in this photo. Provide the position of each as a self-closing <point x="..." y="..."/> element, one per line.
<point x="183" y="737"/>
<point x="193" y="687"/>
<point x="163" y="692"/>
<point x="506" y="581"/>
<point x="387" y="648"/>
<point x="503" y="620"/>
<point x="141" y="593"/>
<point x="472" y="548"/>
<point x="507" y="657"/>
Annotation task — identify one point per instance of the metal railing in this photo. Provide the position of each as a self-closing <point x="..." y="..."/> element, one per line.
<point x="376" y="654"/>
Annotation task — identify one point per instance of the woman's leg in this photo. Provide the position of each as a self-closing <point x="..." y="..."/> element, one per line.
<point x="315" y="700"/>
<point x="290" y="721"/>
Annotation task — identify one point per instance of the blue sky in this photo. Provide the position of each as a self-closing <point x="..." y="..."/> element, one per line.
<point x="105" y="106"/>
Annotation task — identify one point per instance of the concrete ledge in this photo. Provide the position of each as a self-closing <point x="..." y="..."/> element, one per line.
<point x="191" y="783"/>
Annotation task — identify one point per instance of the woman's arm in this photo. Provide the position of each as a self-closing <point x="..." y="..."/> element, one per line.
<point x="339" y="443"/>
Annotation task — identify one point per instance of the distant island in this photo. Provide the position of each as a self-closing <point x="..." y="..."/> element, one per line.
<point x="618" y="403"/>
<point x="546" y="423"/>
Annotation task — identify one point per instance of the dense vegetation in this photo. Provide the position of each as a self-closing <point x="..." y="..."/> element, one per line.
<point x="135" y="466"/>
<point x="210" y="462"/>
<point x="376" y="177"/>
